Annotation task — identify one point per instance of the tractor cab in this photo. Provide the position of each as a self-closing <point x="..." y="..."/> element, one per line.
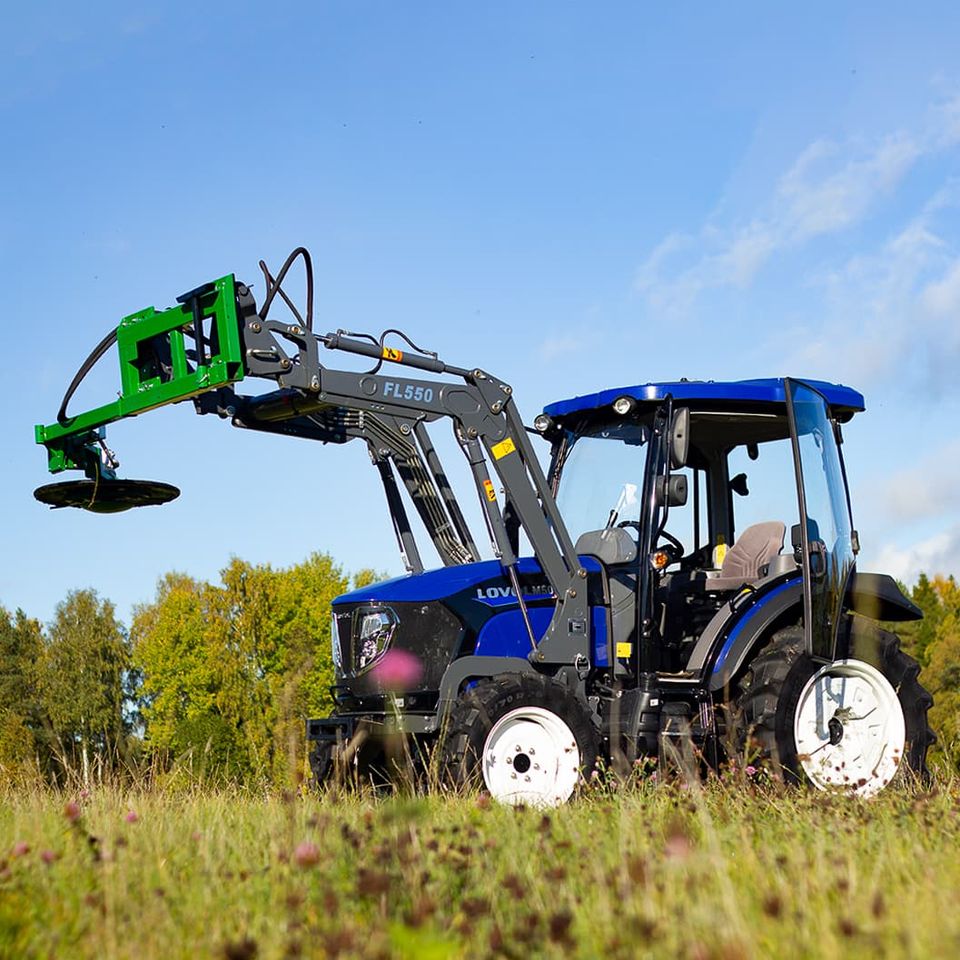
<point x="687" y="535"/>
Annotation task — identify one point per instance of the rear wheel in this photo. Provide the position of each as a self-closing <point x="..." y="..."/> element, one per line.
<point x="854" y="724"/>
<point x="525" y="737"/>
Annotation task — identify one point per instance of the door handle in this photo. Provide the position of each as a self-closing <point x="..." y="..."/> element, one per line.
<point x="818" y="559"/>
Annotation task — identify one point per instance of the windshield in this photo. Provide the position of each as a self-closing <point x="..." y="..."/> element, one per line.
<point x="602" y="477"/>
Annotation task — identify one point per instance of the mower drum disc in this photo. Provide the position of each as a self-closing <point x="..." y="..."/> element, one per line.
<point x="106" y="496"/>
<point x="531" y="756"/>
<point x="849" y="728"/>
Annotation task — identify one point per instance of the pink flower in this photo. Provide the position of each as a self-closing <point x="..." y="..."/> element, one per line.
<point x="131" y="816"/>
<point x="751" y="770"/>
<point x="397" y="670"/>
<point x="307" y="854"/>
<point x="20" y="849"/>
<point x="71" y="811"/>
<point x="49" y="856"/>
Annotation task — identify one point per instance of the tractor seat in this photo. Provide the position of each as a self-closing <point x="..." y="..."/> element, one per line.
<point x="745" y="560"/>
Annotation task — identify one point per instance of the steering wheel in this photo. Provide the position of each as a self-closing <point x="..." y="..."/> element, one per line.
<point x="677" y="550"/>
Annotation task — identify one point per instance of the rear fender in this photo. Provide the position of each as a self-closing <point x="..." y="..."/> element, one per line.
<point x="737" y="636"/>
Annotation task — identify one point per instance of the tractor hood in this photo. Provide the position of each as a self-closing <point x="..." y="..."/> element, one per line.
<point x="487" y="576"/>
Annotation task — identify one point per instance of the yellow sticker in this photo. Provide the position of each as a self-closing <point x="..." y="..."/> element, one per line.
<point x="501" y="449"/>
<point x="491" y="493"/>
<point x="624" y="650"/>
<point x="390" y="354"/>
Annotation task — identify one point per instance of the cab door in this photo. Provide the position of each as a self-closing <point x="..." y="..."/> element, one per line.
<point x="824" y="536"/>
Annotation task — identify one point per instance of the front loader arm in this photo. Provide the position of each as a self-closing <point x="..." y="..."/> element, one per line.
<point x="215" y="338"/>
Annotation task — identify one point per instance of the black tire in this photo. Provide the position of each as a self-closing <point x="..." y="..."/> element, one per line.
<point x="477" y="711"/>
<point x="321" y="764"/>
<point x="771" y="689"/>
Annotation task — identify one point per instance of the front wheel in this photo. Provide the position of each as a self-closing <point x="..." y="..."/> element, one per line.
<point x="855" y="724"/>
<point x="527" y="738"/>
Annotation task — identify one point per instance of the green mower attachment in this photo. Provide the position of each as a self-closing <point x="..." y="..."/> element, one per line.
<point x="165" y="357"/>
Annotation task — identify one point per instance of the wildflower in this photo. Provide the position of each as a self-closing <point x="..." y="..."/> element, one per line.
<point x="71" y="810"/>
<point x="397" y="670"/>
<point x="306" y="854"/>
<point x="245" y="949"/>
<point x="751" y="770"/>
<point x="372" y="883"/>
<point x="560" y="927"/>
<point x="49" y="856"/>
<point x="131" y="816"/>
<point x="20" y="849"/>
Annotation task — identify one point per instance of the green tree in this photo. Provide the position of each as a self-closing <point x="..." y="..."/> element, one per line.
<point x="82" y="681"/>
<point x="935" y="642"/>
<point x="240" y="663"/>
<point x="22" y="730"/>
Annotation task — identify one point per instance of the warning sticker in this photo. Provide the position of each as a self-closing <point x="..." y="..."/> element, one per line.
<point x="624" y="650"/>
<point x="501" y="449"/>
<point x="390" y="354"/>
<point x="491" y="493"/>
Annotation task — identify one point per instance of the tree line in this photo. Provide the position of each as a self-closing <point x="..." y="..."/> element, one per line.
<point x="211" y="679"/>
<point x="214" y="680"/>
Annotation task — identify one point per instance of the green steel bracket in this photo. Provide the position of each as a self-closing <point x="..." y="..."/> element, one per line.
<point x="155" y="369"/>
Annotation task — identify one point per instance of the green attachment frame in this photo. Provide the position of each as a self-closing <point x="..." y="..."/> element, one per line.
<point x="155" y="369"/>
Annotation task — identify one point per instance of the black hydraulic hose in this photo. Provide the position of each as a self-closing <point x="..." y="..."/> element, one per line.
<point x="98" y="351"/>
<point x="275" y="287"/>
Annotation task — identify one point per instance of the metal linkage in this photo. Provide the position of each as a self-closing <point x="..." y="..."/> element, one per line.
<point x="232" y="340"/>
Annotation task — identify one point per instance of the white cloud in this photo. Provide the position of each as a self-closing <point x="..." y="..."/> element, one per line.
<point x="558" y="346"/>
<point x="927" y="488"/>
<point x="829" y="188"/>
<point x="937" y="554"/>
<point x="942" y="298"/>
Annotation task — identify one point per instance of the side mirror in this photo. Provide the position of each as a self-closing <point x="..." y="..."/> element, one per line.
<point x="739" y="485"/>
<point x="672" y="491"/>
<point x="680" y="440"/>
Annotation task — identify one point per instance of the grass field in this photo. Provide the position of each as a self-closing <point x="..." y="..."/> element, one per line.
<point x="728" y="870"/>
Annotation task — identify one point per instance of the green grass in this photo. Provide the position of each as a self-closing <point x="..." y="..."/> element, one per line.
<point x="728" y="870"/>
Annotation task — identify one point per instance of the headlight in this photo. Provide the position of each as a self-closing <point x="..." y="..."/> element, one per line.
<point x="372" y="632"/>
<point x="335" y="644"/>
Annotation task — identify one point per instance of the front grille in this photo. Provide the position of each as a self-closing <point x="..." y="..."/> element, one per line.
<point x="428" y="630"/>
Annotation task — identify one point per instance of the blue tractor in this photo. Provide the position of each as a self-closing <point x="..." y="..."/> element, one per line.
<point x="681" y="581"/>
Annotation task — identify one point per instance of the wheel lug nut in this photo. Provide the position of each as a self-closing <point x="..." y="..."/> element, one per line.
<point x="513" y="776"/>
<point x="527" y="778"/>
<point x="510" y="760"/>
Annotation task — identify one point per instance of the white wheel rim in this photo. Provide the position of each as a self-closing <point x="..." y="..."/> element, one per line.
<point x="849" y="728"/>
<point x="531" y="756"/>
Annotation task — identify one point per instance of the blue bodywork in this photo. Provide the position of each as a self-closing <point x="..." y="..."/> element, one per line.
<point x="844" y="401"/>
<point x="485" y="587"/>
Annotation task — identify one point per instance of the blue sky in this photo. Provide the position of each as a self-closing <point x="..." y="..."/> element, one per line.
<point x="573" y="196"/>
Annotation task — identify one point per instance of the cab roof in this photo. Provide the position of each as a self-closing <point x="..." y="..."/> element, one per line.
<point x="844" y="401"/>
